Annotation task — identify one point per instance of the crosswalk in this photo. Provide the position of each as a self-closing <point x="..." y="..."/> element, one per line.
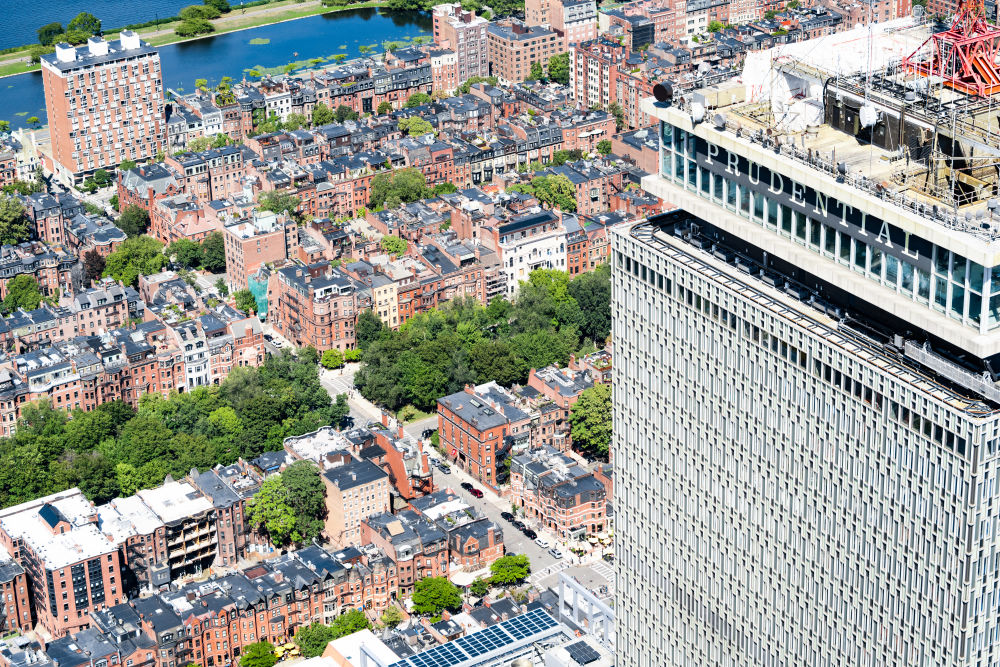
<point x="544" y="573"/>
<point x="606" y="570"/>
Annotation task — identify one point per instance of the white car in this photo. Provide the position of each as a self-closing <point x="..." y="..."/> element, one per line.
<point x="543" y="543"/>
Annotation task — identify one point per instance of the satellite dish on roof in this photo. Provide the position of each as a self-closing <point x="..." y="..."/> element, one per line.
<point x="663" y="92"/>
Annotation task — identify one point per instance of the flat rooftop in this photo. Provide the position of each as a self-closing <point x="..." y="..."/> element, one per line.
<point x="844" y="107"/>
<point x="175" y="501"/>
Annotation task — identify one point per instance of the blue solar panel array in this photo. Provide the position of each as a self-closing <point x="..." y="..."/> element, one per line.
<point x="480" y="643"/>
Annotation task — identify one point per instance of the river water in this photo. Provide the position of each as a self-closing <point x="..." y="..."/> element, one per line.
<point x="232" y="54"/>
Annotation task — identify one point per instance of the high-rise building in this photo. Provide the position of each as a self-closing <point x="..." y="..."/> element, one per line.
<point x="807" y="413"/>
<point x="104" y="103"/>
<point x="464" y="33"/>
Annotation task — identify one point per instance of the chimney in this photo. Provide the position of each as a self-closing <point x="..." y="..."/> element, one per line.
<point x="385" y="419"/>
<point x="469" y="389"/>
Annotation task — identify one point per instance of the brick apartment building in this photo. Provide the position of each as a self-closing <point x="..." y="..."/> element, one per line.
<point x="514" y="46"/>
<point x="354" y="492"/>
<point x="104" y="103"/>
<point x="474" y="541"/>
<point x="209" y="175"/>
<point x="73" y="568"/>
<point x="314" y="305"/>
<point x="559" y="493"/>
<point x="575" y="21"/>
<point x="464" y="33"/>
<point x="417" y="546"/>
<point x="473" y="426"/>
<point x="265" y="237"/>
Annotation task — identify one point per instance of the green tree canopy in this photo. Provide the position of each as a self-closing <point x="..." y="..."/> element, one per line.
<point x="22" y="292"/>
<point x="592" y="292"/>
<point x="85" y="22"/>
<point x="415" y="126"/>
<point x="14" y="224"/>
<point x="115" y="450"/>
<point x="93" y="266"/>
<point x="368" y="329"/>
<point x="344" y="112"/>
<point x="536" y="73"/>
<point x="199" y="12"/>
<point x="322" y="114"/>
<point x="393" y="245"/>
<point x="556" y="191"/>
<point x="466" y="86"/>
<point x="194" y="27"/>
<point x="604" y="146"/>
<point x="416" y="99"/>
<point x="260" y="654"/>
<point x="350" y="622"/>
<point x="186" y="253"/>
<point x="590" y="419"/>
<point x="139" y="255"/>
<point x="512" y="569"/>
<point x="222" y="6"/>
<point x="245" y="301"/>
<point x="384" y="107"/>
<point x="278" y="201"/>
<point x="48" y="32"/>
<point x="400" y="186"/>
<point x="213" y="253"/>
<point x="559" y="68"/>
<point x="479" y="587"/>
<point x="432" y="595"/>
<point x="332" y="359"/>
<point x="312" y="639"/>
<point x="134" y="220"/>
<point x="392" y="616"/>
<point x="289" y="507"/>
<point x="437" y="353"/>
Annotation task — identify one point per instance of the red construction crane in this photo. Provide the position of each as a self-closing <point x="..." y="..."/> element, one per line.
<point x="964" y="56"/>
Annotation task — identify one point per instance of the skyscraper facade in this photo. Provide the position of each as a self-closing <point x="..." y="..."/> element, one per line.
<point x="104" y="103"/>
<point x="806" y="416"/>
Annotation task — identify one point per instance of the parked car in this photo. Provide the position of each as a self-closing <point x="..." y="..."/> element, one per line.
<point x="543" y="543"/>
<point x="427" y="433"/>
<point x="476" y="493"/>
<point x="529" y="533"/>
<point x="555" y="553"/>
<point x="609" y="557"/>
<point x="268" y="337"/>
<point x="507" y="516"/>
<point x="435" y="461"/>
<point x="445" y="468"/>
<point x="466" y="486"/>
<point x="518" y="524"/>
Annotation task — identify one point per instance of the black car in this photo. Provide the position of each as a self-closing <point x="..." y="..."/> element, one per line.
<point x="427" y="433"/>
<point x="530" y="534"/>
<point x="466" y="486"/>
<point x="609" y="557"/>
<point x="517" y="524"/>
<point x="506" y="516"/>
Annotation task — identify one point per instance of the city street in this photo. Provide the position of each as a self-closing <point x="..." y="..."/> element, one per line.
<point x="594" y="573"/>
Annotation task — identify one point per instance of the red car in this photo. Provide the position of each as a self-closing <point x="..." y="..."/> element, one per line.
<point x="476" y="493"/>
